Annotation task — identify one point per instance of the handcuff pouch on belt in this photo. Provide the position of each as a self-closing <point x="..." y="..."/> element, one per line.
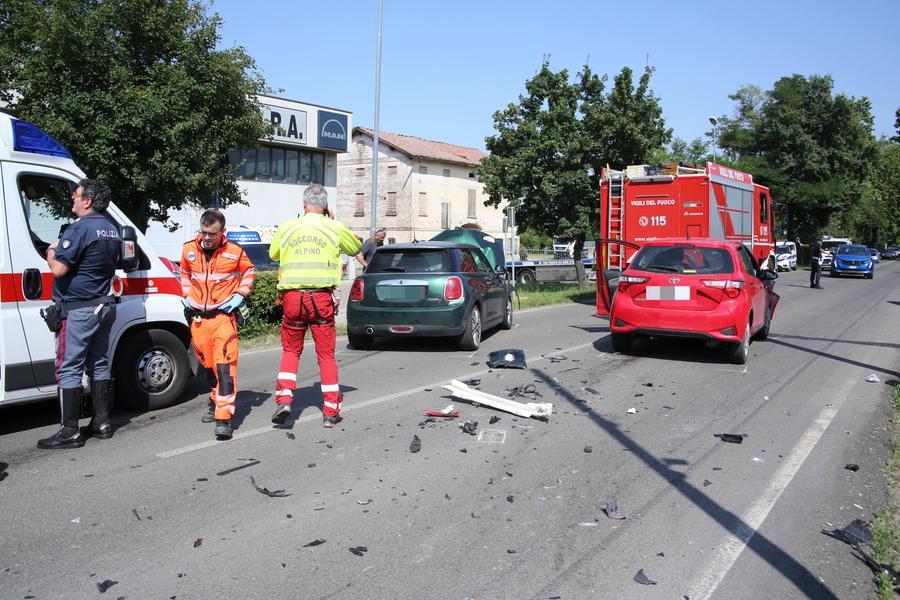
<point x="57" y="312"/>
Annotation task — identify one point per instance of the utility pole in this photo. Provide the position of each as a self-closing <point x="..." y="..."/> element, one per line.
<point x="372" y="223"/>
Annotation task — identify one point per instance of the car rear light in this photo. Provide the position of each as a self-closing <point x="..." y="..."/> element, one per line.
<point x="625" y="281"/>
<point x="453" y="288"/>
<point x="356" y="292"/>
<point x="732" y="288"/>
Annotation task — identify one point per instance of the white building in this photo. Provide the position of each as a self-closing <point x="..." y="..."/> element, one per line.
<point x="424" y="187"/>
<point x="273" y="177"/>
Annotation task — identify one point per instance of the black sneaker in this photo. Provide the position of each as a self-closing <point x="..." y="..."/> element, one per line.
<point x="330" y="422"/>
<point x="223" y="429"/>
<point x="210" y="415"/>
<point x="282" y="412"/>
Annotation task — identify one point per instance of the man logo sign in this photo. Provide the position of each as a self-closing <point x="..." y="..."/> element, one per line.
<point x="332" y="130"/>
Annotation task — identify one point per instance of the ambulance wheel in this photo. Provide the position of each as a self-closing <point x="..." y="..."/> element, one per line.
<point x="471" y="337"/>
<point x="151" y="370"/>
<point x="525" y="276"/>
<point x="623" y="343"/>
<point x="360" y="342"/>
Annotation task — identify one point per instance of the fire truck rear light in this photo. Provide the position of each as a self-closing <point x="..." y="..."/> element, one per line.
<point x="453" y="288"/>
<point x="356" y="292"/>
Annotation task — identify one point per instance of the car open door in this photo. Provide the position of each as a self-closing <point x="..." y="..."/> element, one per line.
<point x="625" y="250"/>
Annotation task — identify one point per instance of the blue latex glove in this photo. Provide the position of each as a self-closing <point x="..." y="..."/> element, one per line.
<point x="232" y="303"/>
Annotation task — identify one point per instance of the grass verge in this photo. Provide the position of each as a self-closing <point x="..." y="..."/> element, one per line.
<point x="544" y="294"/>
<point x="886" y="526"/>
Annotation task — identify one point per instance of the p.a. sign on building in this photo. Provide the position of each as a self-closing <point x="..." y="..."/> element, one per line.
<point x="332" y="130"/>
<point x="289" y="125"/>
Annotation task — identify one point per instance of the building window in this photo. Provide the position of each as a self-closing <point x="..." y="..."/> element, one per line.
<point x="446" y="172"/>
<point x="392" y="170"/>
<point x="445" y="215"/>
<point x="391" y="241"/>
<point x="360" y="171"/>
<point x="423" y="170"/>
<point x="391" y="210"/>
<point x="278" y="164"/>
<point x="360" y="210"/>
<point x="471" y="204"/>
<point x="423" y="204"/>
<point x="471" y="175"/>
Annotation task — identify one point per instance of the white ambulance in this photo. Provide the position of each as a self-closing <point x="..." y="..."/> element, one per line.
<point x="150" y="339"/>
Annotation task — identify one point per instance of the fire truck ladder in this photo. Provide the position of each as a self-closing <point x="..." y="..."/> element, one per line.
<point x="615" y="258"/>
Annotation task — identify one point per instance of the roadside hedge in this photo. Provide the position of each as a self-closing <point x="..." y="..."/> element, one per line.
<point x="265" y="316"/>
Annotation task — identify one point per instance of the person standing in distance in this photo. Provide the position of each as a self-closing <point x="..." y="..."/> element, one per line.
<point x="216" y="277"/>
<point x="370" y="246"/>
<point x="815" y="262"/>
<point x="83" y="262"/>
<point x="308" y="251"/>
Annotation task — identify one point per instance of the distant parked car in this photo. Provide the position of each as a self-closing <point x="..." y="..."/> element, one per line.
<point x="786" y="256"/>
<point x="890" y="253"/>
<point x="853" y="259"/>
<point x="876" y="256"/>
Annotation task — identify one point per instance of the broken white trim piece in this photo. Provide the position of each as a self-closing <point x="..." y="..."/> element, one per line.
<point x="527" y="410"/>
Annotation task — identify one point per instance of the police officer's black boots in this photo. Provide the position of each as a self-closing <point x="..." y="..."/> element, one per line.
<point x="210" y="415"/>
<point x="68" y="436"/>
<point x="101" y="397"/>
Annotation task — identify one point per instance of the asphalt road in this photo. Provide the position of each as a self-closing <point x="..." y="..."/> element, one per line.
<point x="465" y="518"/>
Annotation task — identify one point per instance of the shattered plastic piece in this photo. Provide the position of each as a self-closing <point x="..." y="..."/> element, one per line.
<point x="469" y="427"/>
<point x="592" y="390"/>
<point x="314" y="543"/>
<point x="587" y="524"/>
<point x="611" y="509"/>
<point x="134" y="511"/>
<point x="758" y="459"/>
<point x="197" y="542"/>
<point x="852" y="467"/>
<point x="492" y="436"/>
<point x="311" y="465"/>
<point x="511" y="358"/>
<point x="525" y="390"/>
<point x="647" y="384"/>
<point x="631" y="411"/>
<point x="707" y="483"/>
<point x="290" y="435"/>
<point x="447" y="409"/>
<point x="105" y="585"/>
<point x="473" y="382"/>
<point x="853" y="534"/>
<point x="76" y="520"/>
<point x="364" y="502"/>
<point x="642" y="579"/>
<point x="510" y="498"/>
<point x="494" y="419"/>
<point x="359" y="550"/>
<point x="873" y="378"/>
<point x="731" y="438"/>
<point x="238" y="468"/>
<point x="267" y="492"/>
<point x="510" y="551"/>
<point x="558" y="358"/>
<point x="441" y="413"/>
<point x="415" y="445"/>
<point x="530" y="409"/>
<point x="588" y="449"/>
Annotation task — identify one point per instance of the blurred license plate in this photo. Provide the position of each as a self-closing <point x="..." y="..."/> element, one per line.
<point x="668" y="292"/>
<point x="396" y="291"/>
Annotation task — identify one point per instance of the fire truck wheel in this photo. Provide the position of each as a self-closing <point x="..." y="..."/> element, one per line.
<point x="740" y="351"/>
<point x="525" y="276"/>
<point x="623" y="343"/>
<point x="151" y="369"/>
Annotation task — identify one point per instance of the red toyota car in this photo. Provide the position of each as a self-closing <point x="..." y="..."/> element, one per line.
<point x="694" y="288"/>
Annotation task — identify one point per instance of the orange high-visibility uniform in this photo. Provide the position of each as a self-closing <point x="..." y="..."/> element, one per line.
<point x="207" y="284"/>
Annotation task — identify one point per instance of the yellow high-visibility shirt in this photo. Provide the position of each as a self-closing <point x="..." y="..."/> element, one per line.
<point x="308" y="249"/>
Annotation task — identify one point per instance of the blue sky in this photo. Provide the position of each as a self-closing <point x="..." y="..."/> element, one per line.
<point x="447" y="66"/>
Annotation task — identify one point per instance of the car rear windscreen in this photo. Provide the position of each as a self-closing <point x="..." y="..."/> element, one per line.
<point x="410" y="261"/>
<point x="683" y="259"/>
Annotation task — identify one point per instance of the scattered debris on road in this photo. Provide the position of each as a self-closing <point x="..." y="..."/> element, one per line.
<point x="237" y="468"/>
<point x="853" y="534"/>
<point x="446" y="412"/>
<point x="198" y="542"/>
<point x="469" y="427"/>
<point x="314" y="543"/>
<point x="524" y="390"/>
<point x="852" y="467"/>
<point x="494" y="419"/>
<point x="527" y="410"/>
<point x="267" y="491"/>
<point x="588" y="449"/>
<point x="415" y="445"/>
<point x="511" y="358"/>
<point x="134" y="511"/>
<point x="641" y="578"/>
<point x="631" y="411"/>
<point x="591" y="390"/>
<point x="358" y="550"/>
<point x="105" y="585"/>
<point x="492" y="436"/>
<point x="707" y="483"/>
<point x="588" y="524"/>
<point x="510" y="498"/>
<point x="611" y="509"/>
<point x="758" y="459"/>
<point x="873" y="378"/>
<point x="731" y="438"/>
<point x="290" y="435"/>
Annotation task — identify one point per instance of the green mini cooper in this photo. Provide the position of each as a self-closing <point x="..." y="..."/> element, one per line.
<point x="435" y="288"/>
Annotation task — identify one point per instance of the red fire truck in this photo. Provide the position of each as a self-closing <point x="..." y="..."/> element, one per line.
<point x="645" y="203"/>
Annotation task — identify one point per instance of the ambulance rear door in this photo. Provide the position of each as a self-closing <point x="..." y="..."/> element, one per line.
<point x="37" y="203"/>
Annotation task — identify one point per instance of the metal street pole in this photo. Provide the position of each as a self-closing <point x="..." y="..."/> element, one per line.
<point x="374" y="210"/>
<point x="715" y="123"/>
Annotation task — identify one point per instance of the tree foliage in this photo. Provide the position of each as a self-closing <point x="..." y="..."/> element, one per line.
<point x="812" y="147"/>
<point x="549" y="147"/>
<point x="137" y="91"/>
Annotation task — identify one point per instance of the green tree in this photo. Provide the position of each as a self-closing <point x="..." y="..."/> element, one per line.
<point x="546" y="156"/>
<point x="812" y="147"/>
<point x="137" y="91"/>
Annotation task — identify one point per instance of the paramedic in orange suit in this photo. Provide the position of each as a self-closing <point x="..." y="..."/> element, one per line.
<point x="216" y="278"/>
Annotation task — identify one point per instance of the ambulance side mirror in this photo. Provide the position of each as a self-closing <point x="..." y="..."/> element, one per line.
<point x="129" y="260"/>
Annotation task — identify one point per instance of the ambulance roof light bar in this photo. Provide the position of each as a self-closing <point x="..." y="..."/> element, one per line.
<point x="29" y="138"/>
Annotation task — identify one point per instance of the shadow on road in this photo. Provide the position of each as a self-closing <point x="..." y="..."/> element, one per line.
<point x="756" y="542"/>
<point x="839" y="341"/>
<point x="304" y="398"/>
<point x="842" y="359"/>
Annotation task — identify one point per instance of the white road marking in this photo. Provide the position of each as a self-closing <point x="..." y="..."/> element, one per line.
<point x="356" y="406"/>
<point x="730" y="550"/>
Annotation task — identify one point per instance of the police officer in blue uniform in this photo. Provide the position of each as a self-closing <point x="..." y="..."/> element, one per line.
<point x="83" y="262"/>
